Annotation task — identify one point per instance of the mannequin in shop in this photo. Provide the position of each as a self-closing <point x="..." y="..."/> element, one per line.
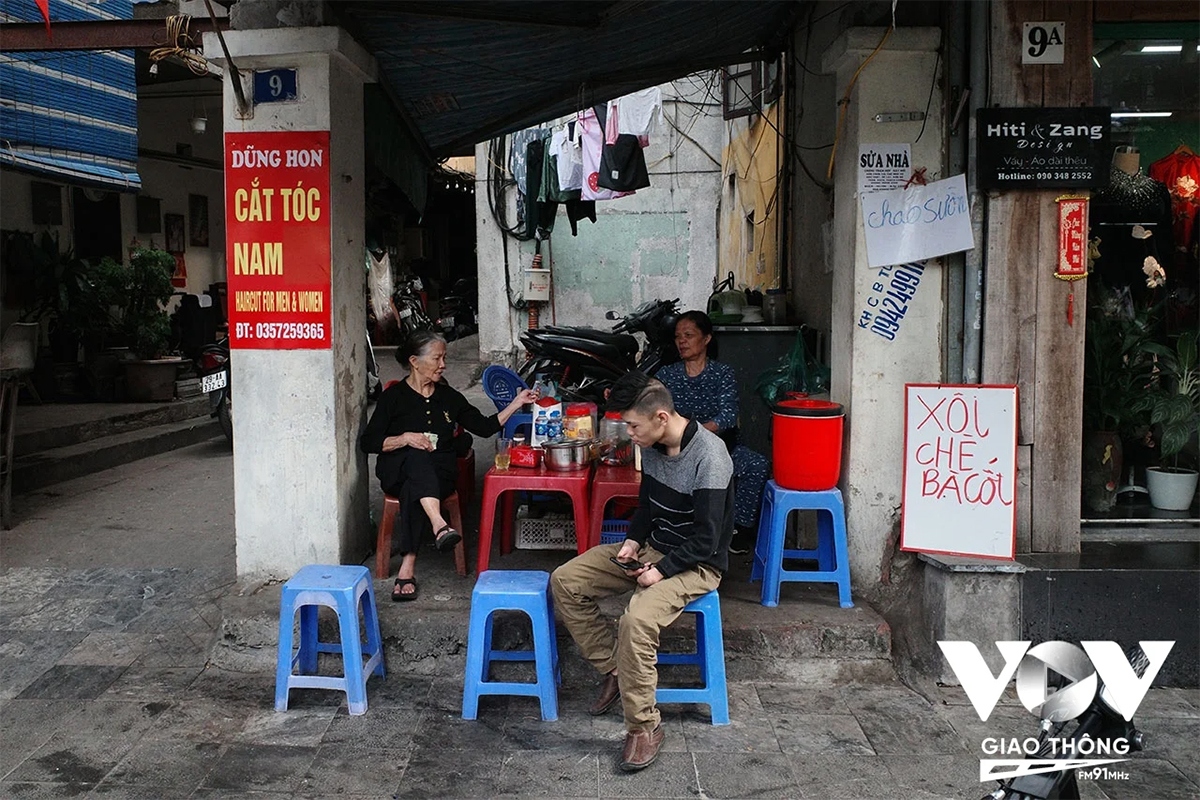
<point x="1180" y="171"/>
<point x="1131" y="199"/>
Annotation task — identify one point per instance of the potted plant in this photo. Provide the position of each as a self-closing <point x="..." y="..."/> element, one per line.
<point x="46" y="284"/>
<point x="1119" y="342"/>
<point x="144" y="286"/>
<point x="1172" y="399"/>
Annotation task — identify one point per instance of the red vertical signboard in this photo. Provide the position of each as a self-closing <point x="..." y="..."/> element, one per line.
<point x="1072" y="245"/>
<point x="277" y="240"/>
<point x="1072" y="237"/>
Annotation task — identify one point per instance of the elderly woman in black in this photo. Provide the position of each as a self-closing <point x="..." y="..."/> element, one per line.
<point x="412" y="430"/>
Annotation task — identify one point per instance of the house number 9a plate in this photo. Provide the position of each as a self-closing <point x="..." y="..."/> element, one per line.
<point x="1043" y="43"/>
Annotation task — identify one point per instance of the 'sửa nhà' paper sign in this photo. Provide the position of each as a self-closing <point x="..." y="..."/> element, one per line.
<point x="917" y="223"/>
<point x="883" y="167"/>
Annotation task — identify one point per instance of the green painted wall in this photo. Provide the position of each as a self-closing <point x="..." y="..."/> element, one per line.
<point x="608" y="259"/>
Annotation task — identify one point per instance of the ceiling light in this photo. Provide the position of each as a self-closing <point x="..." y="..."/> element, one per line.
<point x="1163" y="48"/>
<point x="1120" y="114"/>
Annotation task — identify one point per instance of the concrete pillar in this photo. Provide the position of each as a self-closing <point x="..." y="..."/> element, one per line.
<point x="300" y="482"/>
<point x="869" y="372"/>
<point x="499" y="323"/>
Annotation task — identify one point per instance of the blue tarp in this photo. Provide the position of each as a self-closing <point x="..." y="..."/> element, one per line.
<point x="72" y="114"/>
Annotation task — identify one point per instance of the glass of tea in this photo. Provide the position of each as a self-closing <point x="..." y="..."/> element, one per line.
<point x="502" y="455"/>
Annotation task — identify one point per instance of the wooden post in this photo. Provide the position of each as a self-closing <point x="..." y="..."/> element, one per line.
<point x="1026" y="338"/>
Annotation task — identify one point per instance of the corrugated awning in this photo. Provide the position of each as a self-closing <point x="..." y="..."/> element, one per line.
<point x="71" y="115"/>
<point x="78" y="172"/>
<point x="464" y="72"/>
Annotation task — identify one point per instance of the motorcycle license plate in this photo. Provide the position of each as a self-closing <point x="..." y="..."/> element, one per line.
<point x="210" y="383"/>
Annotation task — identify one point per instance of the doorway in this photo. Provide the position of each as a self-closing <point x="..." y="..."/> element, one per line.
<point x="97" y="224"/>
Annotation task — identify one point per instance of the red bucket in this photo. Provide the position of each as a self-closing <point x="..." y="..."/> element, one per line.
<point x="807" y="449"/>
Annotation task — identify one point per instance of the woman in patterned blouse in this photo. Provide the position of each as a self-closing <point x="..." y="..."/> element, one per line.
<point x="706" y="391"/>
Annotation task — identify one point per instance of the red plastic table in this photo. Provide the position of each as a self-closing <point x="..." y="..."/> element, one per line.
<point x="500" y="485"/>
<point x="610" y="482"/>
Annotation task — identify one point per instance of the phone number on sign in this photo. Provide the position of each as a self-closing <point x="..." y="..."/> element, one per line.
<point x="1064" y="176"/>
<point x="281" y="330"/>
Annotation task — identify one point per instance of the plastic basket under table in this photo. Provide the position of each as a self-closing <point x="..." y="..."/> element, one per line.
<point x="557" y="532"/>
<point x="550" y="532"/>
<point x="614" y="531"/>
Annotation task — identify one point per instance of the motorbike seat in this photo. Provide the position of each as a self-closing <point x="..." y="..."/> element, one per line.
<point x="587" y="345"/>
<point x="624" y="342"/>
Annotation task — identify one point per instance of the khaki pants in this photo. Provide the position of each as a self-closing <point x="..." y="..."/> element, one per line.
<point x="582" y="580"/>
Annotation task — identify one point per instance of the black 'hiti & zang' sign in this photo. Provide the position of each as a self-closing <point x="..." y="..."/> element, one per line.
<point x="1043" y="148"/>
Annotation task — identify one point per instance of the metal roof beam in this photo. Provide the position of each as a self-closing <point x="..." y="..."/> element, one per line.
<point x="120" y="34"/>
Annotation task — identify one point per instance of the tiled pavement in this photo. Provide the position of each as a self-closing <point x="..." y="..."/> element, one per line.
<point x="105" y="692"/>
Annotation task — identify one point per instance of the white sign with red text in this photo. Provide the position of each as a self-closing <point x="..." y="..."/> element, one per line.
<point x="960" y="470"/>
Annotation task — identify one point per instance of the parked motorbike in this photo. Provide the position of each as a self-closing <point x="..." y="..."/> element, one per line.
<point x="410" y="308"/>
<point x="586" y="361"/>
<point x="457" y="311"/>
<point x="213" y="367"/>
<point x="1101" y="723"/>
<point x="374" y="384"/>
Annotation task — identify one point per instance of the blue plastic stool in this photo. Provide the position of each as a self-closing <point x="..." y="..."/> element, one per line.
<point x="501" y="385"/>
<point x="831" y="555"/>
<point x="710" y="645"/>
<point x="512" y="590"/>
<point x="344" y="589"/>
<point x="709" y="656"/>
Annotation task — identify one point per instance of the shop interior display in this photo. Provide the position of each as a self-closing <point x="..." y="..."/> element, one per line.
<point x="1141" y="396"/>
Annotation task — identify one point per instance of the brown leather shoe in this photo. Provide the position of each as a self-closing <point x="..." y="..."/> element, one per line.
<point x="641" y="748"/>
<point x="610" y="692"/>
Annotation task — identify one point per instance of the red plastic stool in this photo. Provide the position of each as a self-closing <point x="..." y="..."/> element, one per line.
<point x="500" y="485"/>
<point x="464" y="484"/>
<point x="383" y="539"/>
<point x="609" y="483"/>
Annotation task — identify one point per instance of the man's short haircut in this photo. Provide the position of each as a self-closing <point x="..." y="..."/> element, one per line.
<point x="641" y="393"/>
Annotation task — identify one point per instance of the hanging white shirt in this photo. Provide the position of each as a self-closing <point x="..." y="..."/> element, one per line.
<point x="570" y="159"/>
<point x="640" y="113"/>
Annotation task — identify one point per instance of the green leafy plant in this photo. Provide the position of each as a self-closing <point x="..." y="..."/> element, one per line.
<point x="1172" y="396"/>
<point x="125" y="302"/>
<point x="1120" y="345"/>
<point x="146" y="289"/>
<point x="44" y="280"/>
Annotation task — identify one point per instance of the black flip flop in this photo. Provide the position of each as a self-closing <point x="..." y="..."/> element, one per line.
<point x="446" y="538"/>
<point x="403" y="597"/>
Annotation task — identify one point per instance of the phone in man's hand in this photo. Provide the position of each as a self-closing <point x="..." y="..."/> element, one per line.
<point x="628" y="566"/>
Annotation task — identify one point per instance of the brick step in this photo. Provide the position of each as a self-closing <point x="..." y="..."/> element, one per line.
<point x="55" y="425"/>
<point x="55" y="465"/>
<point x="807" y="639"/>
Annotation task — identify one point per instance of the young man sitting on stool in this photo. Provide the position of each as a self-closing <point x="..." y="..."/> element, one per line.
<point x="678" y="540"/>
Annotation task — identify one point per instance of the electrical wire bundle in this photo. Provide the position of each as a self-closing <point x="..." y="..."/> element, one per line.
<point x="182" y="45"/>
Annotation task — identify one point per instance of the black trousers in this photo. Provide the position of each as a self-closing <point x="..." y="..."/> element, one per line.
<point x="422" y="474"/>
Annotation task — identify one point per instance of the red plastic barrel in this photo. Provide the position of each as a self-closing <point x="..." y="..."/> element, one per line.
<point x="807" y="449"/>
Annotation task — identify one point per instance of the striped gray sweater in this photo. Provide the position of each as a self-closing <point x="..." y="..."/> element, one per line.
<point x="685" y="510"/>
